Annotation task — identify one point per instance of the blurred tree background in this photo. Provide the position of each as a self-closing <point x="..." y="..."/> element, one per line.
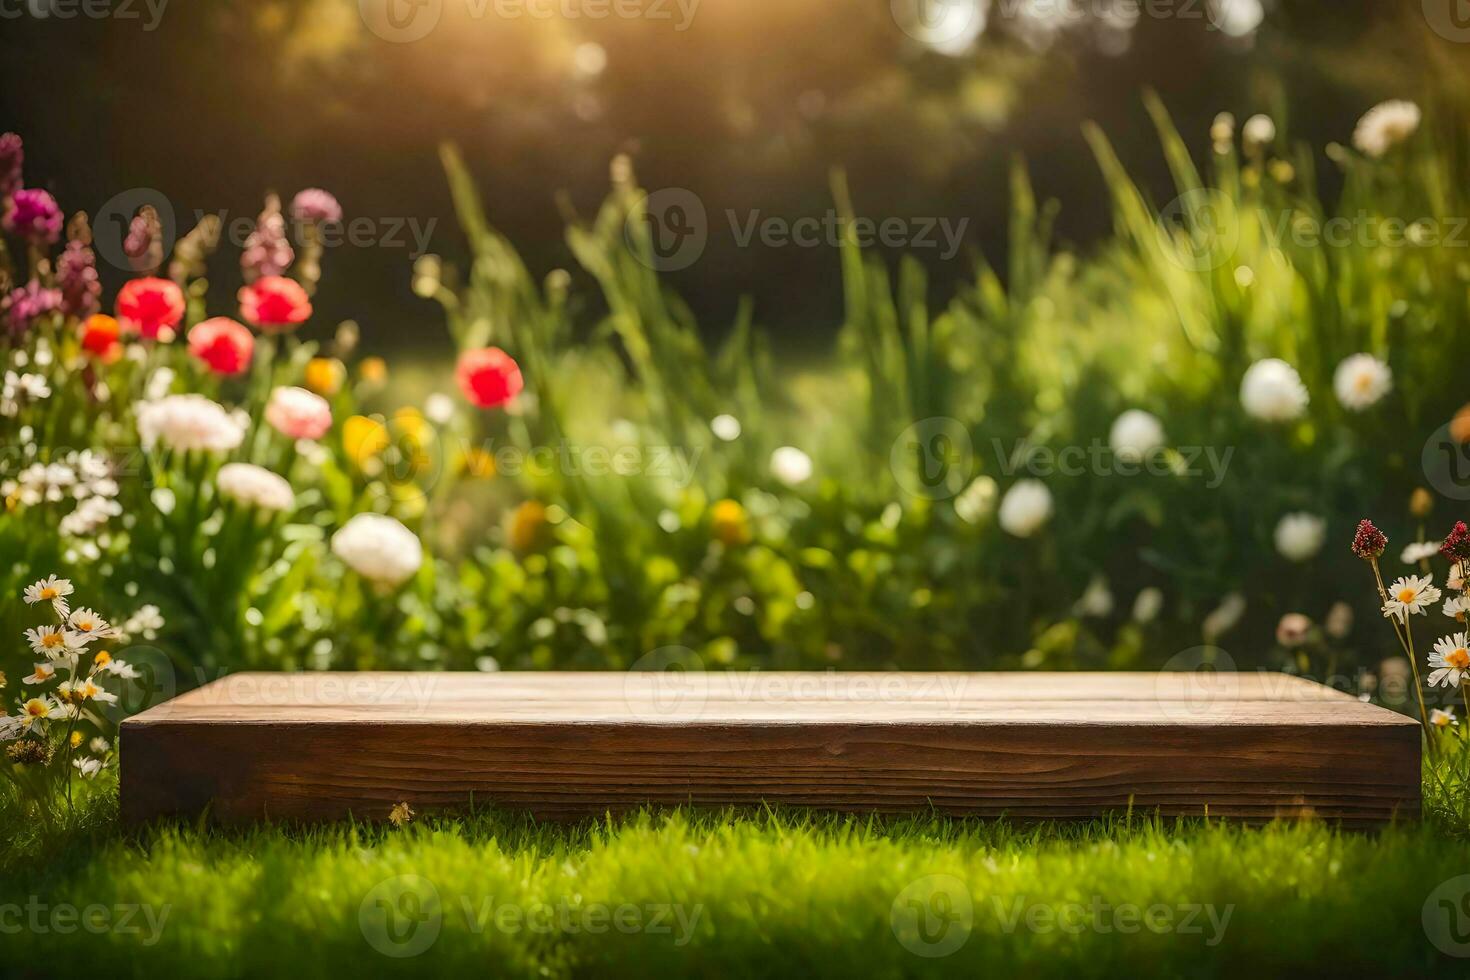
<point x="750" y="106"/>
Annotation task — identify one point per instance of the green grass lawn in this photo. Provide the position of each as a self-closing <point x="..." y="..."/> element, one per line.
<point x="735" y="894"/>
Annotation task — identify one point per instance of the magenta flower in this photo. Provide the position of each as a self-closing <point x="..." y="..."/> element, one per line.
<point x="33" y="215"/>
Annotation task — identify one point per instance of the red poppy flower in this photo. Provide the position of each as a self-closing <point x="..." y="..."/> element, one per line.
<point x="488" y="377"/>
<point x="275" y="304"/>
<point x="151" y="307"/>
<point x="224" y="344"/>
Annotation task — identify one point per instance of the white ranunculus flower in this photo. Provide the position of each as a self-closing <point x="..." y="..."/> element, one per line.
<point x="255" y="486"/>
<point x="188" y="422"/>
<point x="1273" y="392"/>
<point x="1361" y="381"/>
<point x="1385" y="126"/>
<point x="1258" y="130"/>
<point x="976" y="501"/>
<point x="378" y="548"/>
<point x="1147" y="605"/>
<point x="1222" y="618"/>
<point x="791" y="466"/>
<point x="1300" y="536"/>
<point x="1025" y="508"/>
<point x="725" y="427"/>
<point x="1135" y="434"/>
<point x="1096" y="600"/>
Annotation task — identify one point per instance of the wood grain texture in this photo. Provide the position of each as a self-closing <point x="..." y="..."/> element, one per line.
<point x="323" y="746"/>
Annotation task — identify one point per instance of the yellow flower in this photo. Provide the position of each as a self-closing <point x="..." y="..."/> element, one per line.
<point x="414" y="435"/>
<point x="37" y="708"/>
<point x="363" y="438"/>
<point x="76" y="738"/>
<point x="400" y="814"/>
<point x="728" y="523"/>
<point x="373" y="370"/>
<point x="1421" y="502"/>
<point x="526" y="525"/>
<point x="324" y="375"/>
<point x="477" y="463"/>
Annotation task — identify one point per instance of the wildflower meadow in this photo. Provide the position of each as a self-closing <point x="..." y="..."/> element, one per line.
<point x="1225" y="435"/>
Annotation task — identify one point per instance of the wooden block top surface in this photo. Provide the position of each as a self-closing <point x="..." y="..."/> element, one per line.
<point x="1169" y="699"/>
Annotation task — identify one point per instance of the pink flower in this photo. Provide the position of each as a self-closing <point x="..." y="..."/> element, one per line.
<point x="489" y="377"/>
<point x="150" y="306"/>
<point x="275" y="304"/>
<point x="225" y="345"/>
<point x="298" y="414"/>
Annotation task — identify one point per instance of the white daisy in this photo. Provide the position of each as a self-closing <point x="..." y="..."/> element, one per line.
<point x="1419" y="551"/>
<point x="1450" y="661"/>
<point x="100" y="745"/>
<point x="53" y="590"/>
<point x="1411" y="594"/>
<point x="1442" y="719"/>
<point x="88" y="767"/>
<point x="43" y="673"/>
<point x="75" y="692"/>
<point x="35" y="712"/>
<point x="87" y="623"/>
<point x="118" y="668"/>
<point x="53" y="641"/>
<point x="1456" y="607"/>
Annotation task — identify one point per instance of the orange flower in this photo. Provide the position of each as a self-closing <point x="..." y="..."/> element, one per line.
<point x="100" y="335"/>
<point x="324" y="375"/>
<point x="373" y="370"/>
<point x="1460" y="426"/>
<point x="527" y="525"/>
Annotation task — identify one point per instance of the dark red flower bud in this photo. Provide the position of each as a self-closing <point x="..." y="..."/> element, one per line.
<point x="1456" y="546"/>
<point x="1368" y="542"/>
